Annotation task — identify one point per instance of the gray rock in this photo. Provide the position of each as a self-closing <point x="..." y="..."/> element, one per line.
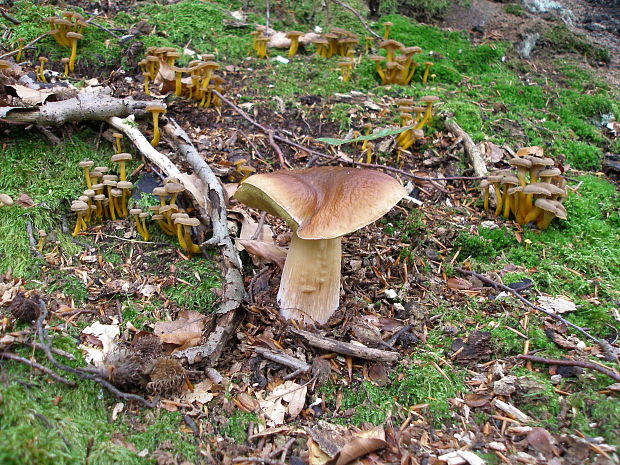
<point x="526" y="46"/>
<point x="549" y="6"/>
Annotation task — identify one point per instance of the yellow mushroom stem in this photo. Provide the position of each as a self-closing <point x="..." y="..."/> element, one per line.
<point x="20" y="49"/>
<point x="42" y="236"/>
<point x="146" y="235"/>
<point x="111" y="204"/>
<point x="178" y="86"/>
<point x="192" y="248"/>
<point x="41" y="72"/>
<point x="426" y="71"/>
<point x="146" y="83"/>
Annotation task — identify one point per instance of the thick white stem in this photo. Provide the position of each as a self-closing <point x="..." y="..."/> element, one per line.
<point x="310" y="285"/>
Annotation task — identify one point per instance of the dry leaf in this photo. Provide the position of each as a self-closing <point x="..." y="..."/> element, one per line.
<point x="185" y="331"/>
<point x="477" y="400"/>
<point x="357" y="448"/>
<point x="101" y="335"/>
<point x="315" y="455"/>
<point x="541" y="440"/>
<point x="264" y="251"/>
<point x="25" y="201"/>
<point x="494" y="153"/>
<point x="201" y="394"/>
<point x="8" y="291"/>
<point x="458" y="284"/>
<point x="32" y="96"/>
<point x="556" y="305"/>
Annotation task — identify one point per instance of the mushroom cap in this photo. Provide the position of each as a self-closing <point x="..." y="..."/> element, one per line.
<point x="99" y="197"/>
<point x="292" y="34"/>
<point x="429" y="99"/>
<point x="158" y="217"/>
<point x="376" y="58"/>
<point x="536" y="188"/>
<point x="320" y="40"/>
<point x="124" y="184"/>
<point x="552" y="188"/>
<point x="86" y="163"/>
<point x="109" y="177"/>
<point x="83" y="198"/>
<point x="174" y="188"/>
<point x="552" y="206"/>
<point x="6" y="200"/>
<point x="514" y="190"/>
<point x="160" y="192"/>
<point x="74" y="35"/>
<point x="410" y="50"/>
<point x="388" y="24"/>
<point x="79" y="206"/>
<point x="156" y="107"/>
<point x="393" y="44"/>
<point x="101" y="169"/>
<point x="116" y="192"/>
<point x="540" y="161"/>
<point x="135" y="211"/>
<point x="121" y="157"/>
<point x="549" y="172"/>
<point x="143" y="215"/>
<point x="520" y="162"/>
<point x="322" y="202"/>
<point x="65" y="60"/>
<point x="510" y="179"/>
<point x="187" y="221"/>
<point x="89" y="193"/>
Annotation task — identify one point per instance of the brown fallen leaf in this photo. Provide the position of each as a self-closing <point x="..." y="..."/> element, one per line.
<point x="264" y="251"/>
<point x="25" y="201"/>
<point x="541" y="440"/>
<point x="477" y="400"/>
<point x="185" y="331"/>
<point x="494" y="153"/>
<point x="458" y="284"/>
<point x="363" y="444"/>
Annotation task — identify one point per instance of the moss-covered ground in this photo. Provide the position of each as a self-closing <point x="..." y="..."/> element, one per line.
<point x="490" y="93"/>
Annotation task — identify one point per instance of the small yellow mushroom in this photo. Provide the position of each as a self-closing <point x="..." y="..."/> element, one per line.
<point x="156" y="109"/>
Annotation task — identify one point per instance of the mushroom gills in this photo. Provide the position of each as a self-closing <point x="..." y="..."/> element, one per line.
<point x="311" y="276"/>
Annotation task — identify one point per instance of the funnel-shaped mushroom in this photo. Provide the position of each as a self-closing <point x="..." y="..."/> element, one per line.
<point x="320" y="205"/>
<point x="294" y="36"/>
<point x="156" y="109"/>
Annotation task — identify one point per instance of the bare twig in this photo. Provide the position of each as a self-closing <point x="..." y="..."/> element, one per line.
<point x="607" y="349"/>
<point x="267" y="13"/>
<point x="283" y="359"/>
<point x="46" y="345"/>
<point x="573" y="363"/>
<point x="28" y="45"/>
<point x="8" y="17"/>
<point x="345" y="348"/>
<point x="359" y="16"/>
<point x="38" y="366"/>
<point x="278" y="150"/>
<point x="32" y="241"/>
<point x="54" y="350"/>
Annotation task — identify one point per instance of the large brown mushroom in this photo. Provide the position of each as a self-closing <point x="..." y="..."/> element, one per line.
<point x="321" y="205"/>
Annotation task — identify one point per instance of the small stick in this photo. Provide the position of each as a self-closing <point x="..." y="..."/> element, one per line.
<point x="609" y="353"/>
<point x="8" y="17"/>
<point x="345" y="348"/>
<point x="54" y="350"/>
<point x="38" y="366"/>
<point x="29" y="44"/>
<point x="32" y="241"/>
<point x="259" y="227"/>
<point x="573" y="363"/>
<point x="283" y="359"/>
<point x="278" y="150"/>
<point x="359" y="16"/>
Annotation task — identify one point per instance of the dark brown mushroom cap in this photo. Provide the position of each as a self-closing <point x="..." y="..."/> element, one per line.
<point x="121" y="157"/>
<point x="540" y="161"/>
<point x="158" y="217"/>
<point x="322" y="202"/>
<point x="410" y="50"/>
<point x="320" y="40"/>
<point x="376" y="58"/>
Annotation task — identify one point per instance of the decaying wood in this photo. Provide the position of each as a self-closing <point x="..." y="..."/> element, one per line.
<point x="229" y="313"/>
<point x="510" y="410"/>
<point x="471" y="150"/>
<point x="345" y="348"/>
<point x="86" y="106"/>
<point x="164" y="163"/>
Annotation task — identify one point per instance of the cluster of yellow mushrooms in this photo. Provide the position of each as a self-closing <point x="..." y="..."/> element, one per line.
<point x="107" y="197"/>
<point x="66" y="30"/>
<point x="533" y="192"/>
<point x="197" y="81"/>
<point x="398" y="69"/>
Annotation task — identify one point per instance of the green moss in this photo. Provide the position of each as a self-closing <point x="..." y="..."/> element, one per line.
<point x="563" y="39"/>
<point x="193" y="290"/>
<point x="237" y="427"/>
<point x="514" y="9"/>
<point x="467" y="115"/>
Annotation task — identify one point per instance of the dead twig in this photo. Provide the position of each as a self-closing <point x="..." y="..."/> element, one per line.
<point x="32" y="241"/>
<point x="46" y="344"/>
<point x="284" y="359"/>
<point x="606" y="346"/>
<point x="283" y="164"/>
<point x="573" y="363"/>
<point x="345" y="348"/>
<point x="38" y="366"/>
<point x="26" y="47"/>
<point x="8" y="17"/>
<point x="359" y="16"/>
<point x="471" y="150"/>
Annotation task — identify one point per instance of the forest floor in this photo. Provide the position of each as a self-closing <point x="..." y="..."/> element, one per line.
<point x="459" y="392"/>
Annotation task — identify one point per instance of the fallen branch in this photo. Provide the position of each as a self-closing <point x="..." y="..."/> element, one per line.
<point x="127" y="127"/>
<point x="359" y="16"/>
<point x="345" y="348"/>
<point x="573" y="363"/>
<point x="46" y="345"/>
<point x="38" y="366"/>
<point x="85" y="106"/>
<point x="606" y="346"/>
<point x="284" y="359"/>
<point x="229" y="313"/>
<point x="471" y="150"/>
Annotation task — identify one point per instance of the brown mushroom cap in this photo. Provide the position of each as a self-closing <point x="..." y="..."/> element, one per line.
<point x="135" y="211"/>
<point x="393" y="44"/>
<point x="292" y="34"/>
<point x="86" y="163"/>
<point x="549" y="172"/>
<point x="551" y="206"/>
<point x="534" y="150"/>
<point x="121" y="157"/>
<point x="174" y="188"/>
<point x="79" y="206"/>
<point x="520" y="162"/>
<point x="74" y="35"/>
<point x="124" y="184"/>
<point x="536" y="188"/>
<point x="429" y="99"/>
<point x="187" y="221"/>
<point x="156" y="107"/>
<point x="322" y="202"/>
<point x="6" y="200"/>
